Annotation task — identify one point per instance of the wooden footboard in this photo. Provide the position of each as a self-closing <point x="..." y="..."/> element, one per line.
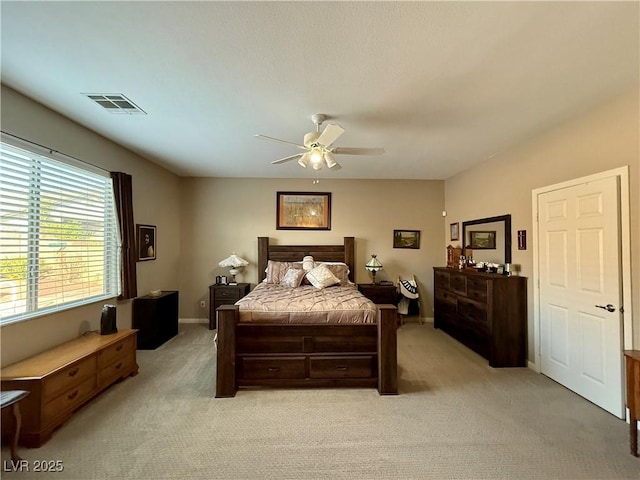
<point x="286" y="355"/>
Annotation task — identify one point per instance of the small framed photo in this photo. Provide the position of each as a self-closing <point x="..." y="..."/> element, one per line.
<point x="303" y="211"/>
<point x="406" y="239"/>
<point x="485" y="240"/>
<point x="146" y="242"/>
<point x="454" y="228"/>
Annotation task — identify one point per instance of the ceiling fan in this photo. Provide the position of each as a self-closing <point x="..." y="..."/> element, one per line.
<point x="318" y="146"/>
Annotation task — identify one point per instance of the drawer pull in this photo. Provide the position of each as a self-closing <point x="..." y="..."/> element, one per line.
<point x="342" y="368"/>
<point x="118" y="366"/>
<point x="118" y="348"/>
<point x="274" y="369"/>
<point x="74" y="372"/>
<point x="73" y="395"/>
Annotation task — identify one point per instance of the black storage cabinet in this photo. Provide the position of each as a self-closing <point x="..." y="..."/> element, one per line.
<point x="156" y="319"/>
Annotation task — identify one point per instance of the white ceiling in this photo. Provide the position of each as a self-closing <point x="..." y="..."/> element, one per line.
<point x="440" y="85"/>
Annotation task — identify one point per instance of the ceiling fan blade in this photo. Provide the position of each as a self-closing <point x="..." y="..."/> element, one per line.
<point x="264" y="137"/>
<point x="286" y="159"/>
<point x="330" y="134"/>
<point x="357" y="151"/>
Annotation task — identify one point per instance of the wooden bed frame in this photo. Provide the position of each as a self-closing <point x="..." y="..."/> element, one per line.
<point x="294" y="355"/>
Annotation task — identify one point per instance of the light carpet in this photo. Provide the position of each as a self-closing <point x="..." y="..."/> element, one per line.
<point x="455" y="418"/>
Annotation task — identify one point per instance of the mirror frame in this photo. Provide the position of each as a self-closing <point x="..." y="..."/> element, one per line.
<point x="507" y="232"/>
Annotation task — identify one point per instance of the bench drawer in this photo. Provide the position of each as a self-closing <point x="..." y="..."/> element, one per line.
<point x="68" y="377"/>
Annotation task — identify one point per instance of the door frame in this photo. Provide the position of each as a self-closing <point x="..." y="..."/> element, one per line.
<point x="622" y="175"/>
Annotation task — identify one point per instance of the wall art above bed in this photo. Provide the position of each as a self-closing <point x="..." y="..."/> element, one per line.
<point x="303" y="211"/>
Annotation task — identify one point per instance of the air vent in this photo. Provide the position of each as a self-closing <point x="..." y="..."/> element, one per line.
<point x="115" y="103"/>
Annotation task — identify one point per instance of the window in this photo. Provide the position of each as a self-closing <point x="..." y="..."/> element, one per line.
<point x="59" y="239"/>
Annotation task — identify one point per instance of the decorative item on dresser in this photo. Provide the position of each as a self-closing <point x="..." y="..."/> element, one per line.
<point x="486" y="312"/>
<point x="156" y="318"/>
<point x="224" y="295"/>
<point x="62" y="379"/>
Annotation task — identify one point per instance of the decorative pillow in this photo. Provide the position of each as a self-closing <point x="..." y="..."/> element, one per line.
<point x="292" y="278"/>
<point x="340" y="270"/>
<point x="277" y="270"/>
<point x="321" y="277"/>
<point x="307" y="263"/>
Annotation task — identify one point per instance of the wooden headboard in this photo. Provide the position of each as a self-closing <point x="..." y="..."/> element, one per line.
<point x="294" y="253"/>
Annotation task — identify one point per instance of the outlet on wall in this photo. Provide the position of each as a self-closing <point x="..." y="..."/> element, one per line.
<point x="201" y="303"/>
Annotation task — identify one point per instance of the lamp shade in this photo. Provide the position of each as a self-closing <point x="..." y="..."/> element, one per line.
<point x="374" y="264"/>
<point x="233" y="261"/>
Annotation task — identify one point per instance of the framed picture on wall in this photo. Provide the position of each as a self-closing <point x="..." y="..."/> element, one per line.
<point x="485" y="240"/>
<point x="406" y="239"/>
<point x="146" y="242"/>
<point x="455" y="229"/>
<point x="303" y="211"/>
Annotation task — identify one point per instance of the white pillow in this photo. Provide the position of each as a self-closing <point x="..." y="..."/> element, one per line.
<point x="307" y="263"/>
<point x="321" y="277"/>
<point x="292" y="278"/>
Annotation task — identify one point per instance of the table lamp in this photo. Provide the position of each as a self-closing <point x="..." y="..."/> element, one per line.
<point x="236" y="263"/>
<point x="373" y="266"/>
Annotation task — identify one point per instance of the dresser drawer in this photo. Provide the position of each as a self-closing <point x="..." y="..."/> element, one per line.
<point x="473" y="315"/>
<point x="442" y="280"/>
<point x="69" y="377"/>
<point x="119" y="368"/>
<point x="226" y="296"/>
<point x="117" y="350"/>
<point x="341" y="367"/>
<point x="68" y="400"/>
<point x="458" y="283"/>
<point x="477" y="289"/>
<point x="273" y="367"/>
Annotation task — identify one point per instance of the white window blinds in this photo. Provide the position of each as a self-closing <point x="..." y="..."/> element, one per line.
<point x="59" y="239"/>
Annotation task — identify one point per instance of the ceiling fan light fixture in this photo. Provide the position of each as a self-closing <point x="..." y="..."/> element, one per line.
<point x="317" y="166"/>
<point x="329" y="160"/>
<point x="304" y="160"/>
<point x="316" y="156"/>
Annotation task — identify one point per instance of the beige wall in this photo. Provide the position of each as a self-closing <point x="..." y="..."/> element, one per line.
<point x="156" y="202"/>
<point x="600" y="140"/>
<point x="221" y="216"/>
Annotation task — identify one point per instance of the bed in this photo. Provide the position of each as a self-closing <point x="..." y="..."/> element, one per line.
<point x="295" y="347"/>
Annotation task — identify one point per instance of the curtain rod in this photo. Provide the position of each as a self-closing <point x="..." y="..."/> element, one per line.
<point x="51" y="150"/>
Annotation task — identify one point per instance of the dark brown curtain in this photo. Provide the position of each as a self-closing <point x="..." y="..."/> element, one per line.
<point x="123" y="191"/>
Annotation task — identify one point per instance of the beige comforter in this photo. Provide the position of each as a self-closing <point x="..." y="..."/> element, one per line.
<point x="306" y="304"/>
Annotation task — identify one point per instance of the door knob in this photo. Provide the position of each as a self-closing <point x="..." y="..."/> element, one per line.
<point x="608" y="307"/>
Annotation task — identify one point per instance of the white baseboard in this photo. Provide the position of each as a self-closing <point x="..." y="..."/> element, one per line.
<point x="193" y="320"/>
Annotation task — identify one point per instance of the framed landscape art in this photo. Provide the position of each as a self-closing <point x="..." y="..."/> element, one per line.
<point x="303" y="211"/>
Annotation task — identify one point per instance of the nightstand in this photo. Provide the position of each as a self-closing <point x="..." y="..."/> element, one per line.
<point x="224" y="295"/>
<point x="379" y="293"/>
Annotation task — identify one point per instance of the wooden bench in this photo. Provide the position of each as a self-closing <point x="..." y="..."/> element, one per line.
<point x="62" y="379"/>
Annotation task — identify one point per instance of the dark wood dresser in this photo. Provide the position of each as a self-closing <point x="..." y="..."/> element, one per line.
<point x="224" y="295"/>
<point x="632" y="360"/>
<point x="156" y="319"/>
<point x="485" y="311"/>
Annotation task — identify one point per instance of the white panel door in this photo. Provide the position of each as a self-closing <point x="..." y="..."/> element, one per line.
<point x="580" y="291"/>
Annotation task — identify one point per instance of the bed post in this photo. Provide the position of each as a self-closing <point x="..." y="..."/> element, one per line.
<point x="387" y="350"/>
<point x="350" y="256"/>
<point x="226" y="351"/>
<point x="263" y="257"/>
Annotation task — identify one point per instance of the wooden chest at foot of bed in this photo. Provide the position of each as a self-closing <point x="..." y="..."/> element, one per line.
<point x="290" y="355"/>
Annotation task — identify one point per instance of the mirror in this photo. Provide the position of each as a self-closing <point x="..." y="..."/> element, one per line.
<point x="490" y="238"/>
